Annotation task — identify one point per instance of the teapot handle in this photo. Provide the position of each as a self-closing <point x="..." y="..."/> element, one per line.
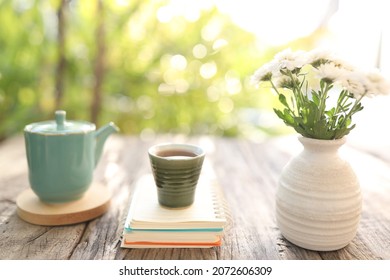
<point x="101" y="136"/>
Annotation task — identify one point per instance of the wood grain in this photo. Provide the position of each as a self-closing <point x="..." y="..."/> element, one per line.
<point x="248" y="173"/>
<point x="93" y="204"/>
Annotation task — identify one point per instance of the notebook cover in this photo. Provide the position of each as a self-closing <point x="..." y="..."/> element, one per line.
<point x="146" y="213"/>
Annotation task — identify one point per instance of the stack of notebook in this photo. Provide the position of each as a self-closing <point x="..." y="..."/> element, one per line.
<point x="149" y="225"/>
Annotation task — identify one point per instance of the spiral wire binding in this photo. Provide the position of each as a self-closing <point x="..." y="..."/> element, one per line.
<point x="221" y="205"/>
<point x="125" y="214"/>
<point x="222" y="210"/>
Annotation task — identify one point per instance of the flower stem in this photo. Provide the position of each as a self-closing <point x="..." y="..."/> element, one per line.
<point x="352" y="111"/>
<point x="277" y="91"/>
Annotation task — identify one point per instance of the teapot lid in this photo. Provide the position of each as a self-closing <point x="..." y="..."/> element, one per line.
<point x="60" y="126"/>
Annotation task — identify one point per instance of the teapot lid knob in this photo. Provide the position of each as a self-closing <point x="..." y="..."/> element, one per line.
<point x="60" y="119"/>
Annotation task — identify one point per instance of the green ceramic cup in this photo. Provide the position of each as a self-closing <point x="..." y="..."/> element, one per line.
<point x="62" y="156"/>
<point x="176" y="169"/>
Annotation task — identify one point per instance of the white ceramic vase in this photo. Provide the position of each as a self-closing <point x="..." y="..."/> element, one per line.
<point x="318" y="200"/>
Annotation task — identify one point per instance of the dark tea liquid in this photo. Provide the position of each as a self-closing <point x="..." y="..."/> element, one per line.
<point x="176" y="154"/>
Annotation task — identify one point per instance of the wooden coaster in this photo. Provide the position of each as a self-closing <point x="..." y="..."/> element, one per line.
<point x="94" y="203"/>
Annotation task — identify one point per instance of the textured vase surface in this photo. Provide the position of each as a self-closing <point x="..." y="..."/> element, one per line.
<point x="318" y="200"/>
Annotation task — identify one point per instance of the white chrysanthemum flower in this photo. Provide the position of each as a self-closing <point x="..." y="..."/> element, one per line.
<point x="329" y="72"/>
<point x="355" y="83"/>
<point x="283" y="82"/>
<point x="290" y="60"/>
<point x="265" y="73"/>
<point x="319" y="56"/>
<point x="342" y="94"/>
<point x="377" y="84"/>
<point x="344" y="64"/>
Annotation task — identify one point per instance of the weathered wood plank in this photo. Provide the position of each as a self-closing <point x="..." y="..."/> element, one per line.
<point x="246" y="171"/>
<point x="249" y="200"/>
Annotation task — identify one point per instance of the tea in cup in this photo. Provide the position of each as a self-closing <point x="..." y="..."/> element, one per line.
<point x="176" y="169"/>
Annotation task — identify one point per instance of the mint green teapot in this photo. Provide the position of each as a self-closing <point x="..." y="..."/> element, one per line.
<point x="62" y="156"/>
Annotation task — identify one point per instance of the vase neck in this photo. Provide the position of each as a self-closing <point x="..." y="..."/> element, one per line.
<point x="323" y="146"/>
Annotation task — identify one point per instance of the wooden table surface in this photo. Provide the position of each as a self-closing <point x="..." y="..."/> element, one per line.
<point x="247" y="172"/>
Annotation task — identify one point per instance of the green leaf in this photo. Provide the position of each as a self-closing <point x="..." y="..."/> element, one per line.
<point x="283" y="100"/>
<point x="288" y="118"/>
<point x="316" y="97"/>
<point x="331" y="112"/>
<point x="279" y="114"/>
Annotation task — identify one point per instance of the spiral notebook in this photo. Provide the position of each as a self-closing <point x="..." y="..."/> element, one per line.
<point x="149" y="225"/>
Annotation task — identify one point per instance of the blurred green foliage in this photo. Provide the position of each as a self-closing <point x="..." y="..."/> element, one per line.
<point x="163" y="73"/>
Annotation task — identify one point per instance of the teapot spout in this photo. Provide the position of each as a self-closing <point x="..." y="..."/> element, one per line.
<point x="101" y="136"/>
